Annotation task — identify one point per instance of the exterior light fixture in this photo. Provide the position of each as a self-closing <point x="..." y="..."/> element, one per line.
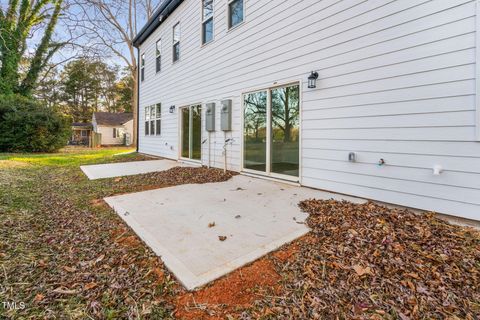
<point x="312" y="80"/>
<point x="172" y="109"/>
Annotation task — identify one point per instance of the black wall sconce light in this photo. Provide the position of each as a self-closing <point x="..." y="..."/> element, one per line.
<point x="172" y="109"/>
<point x="312" y="80"/>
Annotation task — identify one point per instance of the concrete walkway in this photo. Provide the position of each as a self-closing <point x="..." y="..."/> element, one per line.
<point x="184" y="225"/>
<point x="110" y="170"/>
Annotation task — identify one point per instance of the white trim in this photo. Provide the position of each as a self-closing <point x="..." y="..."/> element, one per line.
<point x="477" y="70"/>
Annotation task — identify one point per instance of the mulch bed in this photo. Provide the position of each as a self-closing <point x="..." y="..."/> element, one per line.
<point x="366" y="261"/>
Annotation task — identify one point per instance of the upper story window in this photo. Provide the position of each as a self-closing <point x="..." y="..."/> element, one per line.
<point x="207" y="21"/>
<point x="176" y="42"/>
<point x="142" y="67"/>
<point x="158" y="59"/>
<point x="235" y="12"/>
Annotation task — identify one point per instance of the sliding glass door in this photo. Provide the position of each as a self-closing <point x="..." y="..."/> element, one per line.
<point x="271" y="131"/>
<point x="191" y="132"/>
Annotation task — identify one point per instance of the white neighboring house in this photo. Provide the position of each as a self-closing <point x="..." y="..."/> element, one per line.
<point x="115" y="128"/>
<point x="394" y="114"/>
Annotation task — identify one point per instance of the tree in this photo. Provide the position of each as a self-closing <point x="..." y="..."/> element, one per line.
<point x="17" y="23"/>
<point x="124" y="93"/>
<point x="29" y="126"/>
<point x="87" y="86"/>
<point x="112" y="25"/>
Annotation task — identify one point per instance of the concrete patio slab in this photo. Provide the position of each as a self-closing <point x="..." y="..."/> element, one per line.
<point x="110" y="170"/>
<point x="257" y="216"/>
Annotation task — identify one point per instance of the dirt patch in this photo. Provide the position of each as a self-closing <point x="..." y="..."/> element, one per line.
<point x="230" y="294"/>
<point x="366" y="261"/>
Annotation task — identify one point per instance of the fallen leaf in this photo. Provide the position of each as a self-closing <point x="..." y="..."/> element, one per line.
<point x="222" y="238"/>
<point x="361" y="270"/>
<point x="211" y="224"/>
<point x="39" y="297"/>
<point x="90" y="285"/>
<point x="62" y="290"/>
<point x="69" y="269"/>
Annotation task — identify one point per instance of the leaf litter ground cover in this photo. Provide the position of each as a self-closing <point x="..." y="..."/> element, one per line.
<point x="366" y="261"/>
<point x="65" y="254"/>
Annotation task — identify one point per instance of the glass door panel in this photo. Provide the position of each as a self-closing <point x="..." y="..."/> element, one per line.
<point x="196" y="140"/>
<point x="191" y="134"/>
<point x="255" y="131"/>
<point x="285" y="130"/>
<point x="185" y="114"/>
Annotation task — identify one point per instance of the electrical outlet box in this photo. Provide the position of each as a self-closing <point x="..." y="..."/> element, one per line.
<point x="226" y="115"/>
<point x="210" y="117"/>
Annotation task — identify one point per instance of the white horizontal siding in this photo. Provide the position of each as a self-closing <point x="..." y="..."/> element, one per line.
<point x="397" y="81"/>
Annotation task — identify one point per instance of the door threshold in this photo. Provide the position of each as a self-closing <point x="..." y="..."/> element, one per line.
<point x="276" y="179"/>
<point x="197" y="163"/>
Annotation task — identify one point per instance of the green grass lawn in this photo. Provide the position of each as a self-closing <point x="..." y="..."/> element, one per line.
<point x="72" y="157"/>
<point x="63" y="252"/>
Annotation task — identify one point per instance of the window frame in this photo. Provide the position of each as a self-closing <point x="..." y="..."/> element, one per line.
<point x="205" y="20"/>
<point x="147" y="121"/>
<point x="153" y="120"/>
<point x="142" y="67"/>
<point x="229" y="16"/>
<point x="158" y="55"/>
<point x="176" y="43"/>
<point x="158" y="119"/>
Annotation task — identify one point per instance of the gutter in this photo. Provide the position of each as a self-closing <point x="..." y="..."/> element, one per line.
<point x="165" y="9"/>
<point x="138" y="99"/>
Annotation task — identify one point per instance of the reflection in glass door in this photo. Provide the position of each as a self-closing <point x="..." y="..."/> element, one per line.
<point x="191" y="135"/>
<point x="271" y="131"/>
<point x="255" y="131"/>
<point x="285" y="151"/>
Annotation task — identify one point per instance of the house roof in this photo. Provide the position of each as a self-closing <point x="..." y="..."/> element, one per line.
<point x="166" y="8"/>
<point x="112" y="119"/>
<point x="82" y="124"/>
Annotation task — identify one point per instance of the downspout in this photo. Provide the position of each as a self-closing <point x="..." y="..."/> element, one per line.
<point x="138" y="98"/>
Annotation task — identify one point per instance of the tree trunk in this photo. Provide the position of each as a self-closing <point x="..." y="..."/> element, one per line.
<point x="135" y="104"/>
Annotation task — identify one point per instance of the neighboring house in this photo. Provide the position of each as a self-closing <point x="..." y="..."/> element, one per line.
<point x="81" y="132"/>
<point x="115" y="128"/>
<point x="393" y="115"/>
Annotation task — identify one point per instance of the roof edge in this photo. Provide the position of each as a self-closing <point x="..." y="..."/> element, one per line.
<point x="165" y="9"/>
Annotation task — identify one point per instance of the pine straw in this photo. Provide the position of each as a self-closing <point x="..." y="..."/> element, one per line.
<point x="366" y="261"/>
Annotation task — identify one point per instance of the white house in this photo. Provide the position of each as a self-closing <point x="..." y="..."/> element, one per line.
<point x="393" y="115"/>
<point x="115" y="128"/>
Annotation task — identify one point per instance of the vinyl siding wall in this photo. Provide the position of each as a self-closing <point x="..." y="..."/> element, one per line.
<point x="397" y="81"/>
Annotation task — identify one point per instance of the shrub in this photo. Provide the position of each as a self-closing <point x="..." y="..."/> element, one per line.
<point x="29" y="126"/>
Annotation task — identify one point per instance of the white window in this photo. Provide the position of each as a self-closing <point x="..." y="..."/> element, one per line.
<point x="142" y="67"/>
<point x="235" y="12"/>
<point x="176" y="42"/>
<point x="116" y="134"/>
<point x="84" y="133"/>
<point x="158" y="60"/>
<point x="153" y="120"/>
<point x="207" y="21"/>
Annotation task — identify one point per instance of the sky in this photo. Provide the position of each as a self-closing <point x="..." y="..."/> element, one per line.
<point x="65" y="29"/>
